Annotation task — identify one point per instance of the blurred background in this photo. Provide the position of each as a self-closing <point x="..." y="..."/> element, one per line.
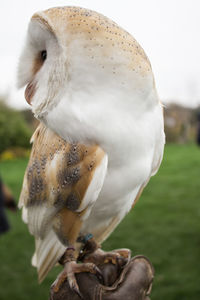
<point x="165" y="223"/>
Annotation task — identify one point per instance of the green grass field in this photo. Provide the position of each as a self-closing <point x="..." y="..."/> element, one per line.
<point x="164" y="225"/>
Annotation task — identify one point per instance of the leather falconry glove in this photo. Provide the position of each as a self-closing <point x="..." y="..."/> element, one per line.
<point x="131" y="282"/>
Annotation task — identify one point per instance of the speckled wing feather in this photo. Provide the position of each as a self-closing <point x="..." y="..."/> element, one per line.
<point x="61" y="183"/>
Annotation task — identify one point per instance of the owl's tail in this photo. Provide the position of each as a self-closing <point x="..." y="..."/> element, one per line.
<point x="47" y="253"/>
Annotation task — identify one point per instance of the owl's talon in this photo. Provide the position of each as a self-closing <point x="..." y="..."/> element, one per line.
<point x="75" y="288"/>
<point x="99" y="274"/>
<point x="70" y="269"/>
<point x="58" y="282"/>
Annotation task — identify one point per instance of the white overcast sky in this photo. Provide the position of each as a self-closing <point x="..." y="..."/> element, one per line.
<point x="168" y="30"/>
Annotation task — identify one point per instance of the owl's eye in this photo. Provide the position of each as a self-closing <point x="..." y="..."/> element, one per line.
<point x="43" y="55"/>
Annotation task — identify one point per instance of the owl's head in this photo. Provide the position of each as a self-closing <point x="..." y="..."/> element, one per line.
<point x="42" y="66"/>
<point x="71" y="50"/>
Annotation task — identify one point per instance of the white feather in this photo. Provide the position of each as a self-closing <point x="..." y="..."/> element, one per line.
<point x="47" y="253"/>
<point x="25" y="214"/>
<point x="39" y="218"/>
<point x="94" y="188"/>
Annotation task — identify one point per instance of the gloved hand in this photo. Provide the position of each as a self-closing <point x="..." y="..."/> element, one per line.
<point x="131" y="282"/>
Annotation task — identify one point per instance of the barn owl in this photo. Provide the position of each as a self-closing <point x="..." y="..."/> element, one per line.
<point x="100" y="137"/>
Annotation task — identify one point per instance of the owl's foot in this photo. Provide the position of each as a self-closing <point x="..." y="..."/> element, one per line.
<point x="70" y="269"/>
<point x="100" y="257"/>
<point x="92" y="253"/>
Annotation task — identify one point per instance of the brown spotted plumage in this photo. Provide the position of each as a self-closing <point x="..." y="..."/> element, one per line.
<point x="58" y="176"/>
<point x="58" y="170"/>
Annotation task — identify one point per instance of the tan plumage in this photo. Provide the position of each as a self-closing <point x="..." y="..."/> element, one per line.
<point x="95" y="28"/>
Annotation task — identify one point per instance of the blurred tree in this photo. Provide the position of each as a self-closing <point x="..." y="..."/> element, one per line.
<point x="198" y="128"/>
<point x="180" y="123"/>
<point x="14" y="131"/>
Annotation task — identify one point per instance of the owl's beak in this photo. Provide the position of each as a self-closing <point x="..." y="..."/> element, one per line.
<point x="29" y="92"/>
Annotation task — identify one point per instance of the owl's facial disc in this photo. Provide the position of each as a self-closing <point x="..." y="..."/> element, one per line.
<point x="39" y="66"/>
<point x="31" y="86"/>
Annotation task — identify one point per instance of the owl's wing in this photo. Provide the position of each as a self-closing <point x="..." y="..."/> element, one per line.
<point x="59" y="176"/>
